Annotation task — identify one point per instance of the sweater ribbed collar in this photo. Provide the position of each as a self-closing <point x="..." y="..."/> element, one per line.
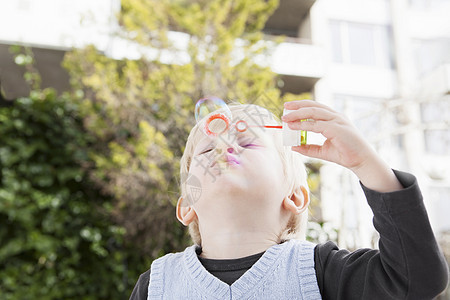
<point x="211" y="285"/>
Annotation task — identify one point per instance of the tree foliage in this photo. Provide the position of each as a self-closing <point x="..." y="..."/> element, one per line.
<point x="89" y="180"/>
<point x="140" y="111"/>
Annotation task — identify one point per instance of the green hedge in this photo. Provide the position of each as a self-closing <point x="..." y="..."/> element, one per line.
<point x="56" y="241"/>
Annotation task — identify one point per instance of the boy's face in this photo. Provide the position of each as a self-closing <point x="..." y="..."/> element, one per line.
<point x="241" y="175"/>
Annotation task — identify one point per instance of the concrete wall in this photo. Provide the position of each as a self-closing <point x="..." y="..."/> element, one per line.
<point x="48" y="63"/>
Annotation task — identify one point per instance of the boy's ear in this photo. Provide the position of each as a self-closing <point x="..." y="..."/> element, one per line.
<point x="297" y="202"/>
<point x="185" y="214"/>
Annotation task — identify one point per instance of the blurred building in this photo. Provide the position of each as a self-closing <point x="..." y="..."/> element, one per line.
<point x="388" y="67"/>
<point x="385" y="64"/>
<point x="50" y="27"/>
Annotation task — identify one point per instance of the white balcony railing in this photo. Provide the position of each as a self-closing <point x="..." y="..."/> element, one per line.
<point x="298" y="60"/>
<point x="436" y="83"/>
<point x="65" y="24"/>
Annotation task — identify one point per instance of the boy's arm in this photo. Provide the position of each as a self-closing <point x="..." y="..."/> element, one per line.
<point x="409" y="264"/>
<point x="406" y="238"/>
<point x="140" y="291"/>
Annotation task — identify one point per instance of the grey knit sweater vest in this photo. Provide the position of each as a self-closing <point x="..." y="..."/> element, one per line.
<point x="285" y="271"/>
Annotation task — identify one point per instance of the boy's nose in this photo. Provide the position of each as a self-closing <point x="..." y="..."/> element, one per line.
<point x="225" y="153"/>
<point x="225" y="148"/>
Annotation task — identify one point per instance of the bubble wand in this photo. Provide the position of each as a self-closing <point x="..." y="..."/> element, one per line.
<point x="206" y="107"/>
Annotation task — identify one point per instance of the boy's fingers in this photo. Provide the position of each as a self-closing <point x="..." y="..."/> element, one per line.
<point x="321" y="127"/>
<point x="313" y="126"/>
<point x="306" y="103"/>
<point x="314" y="151"/>
<point x="315" y="113"/>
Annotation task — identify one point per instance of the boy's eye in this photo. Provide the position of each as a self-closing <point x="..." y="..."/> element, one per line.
<point x="245" y="145"/>
<point x="206" y="151"/>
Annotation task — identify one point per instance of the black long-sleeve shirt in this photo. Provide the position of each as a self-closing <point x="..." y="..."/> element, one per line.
<point x="408" y="265"/>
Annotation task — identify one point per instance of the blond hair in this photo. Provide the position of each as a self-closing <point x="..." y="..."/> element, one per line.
<point x="293" y="167"/>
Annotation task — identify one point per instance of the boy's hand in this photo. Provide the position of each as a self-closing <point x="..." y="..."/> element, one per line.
<point x="344" y="145"/>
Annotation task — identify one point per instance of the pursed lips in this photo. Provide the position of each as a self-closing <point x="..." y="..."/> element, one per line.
<point x="232" y="160"/>
<point x="228" y="159"/>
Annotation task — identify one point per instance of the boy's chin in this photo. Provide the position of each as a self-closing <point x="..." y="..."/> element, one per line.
<point x="225" y="171"/>
<point x="229" y="184"/>
<point x="230" y="174"/>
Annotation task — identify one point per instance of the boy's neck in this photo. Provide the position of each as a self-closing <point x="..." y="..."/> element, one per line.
<point x="235" y="246"/>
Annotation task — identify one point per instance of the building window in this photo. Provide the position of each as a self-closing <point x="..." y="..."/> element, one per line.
<point x="441" y="205"/>
<point x="361" y="44"/>
<point x="428" y="54"/>
<point x="435" y="116"/>
<point x="370" y="117"/>
<point x="429" y="4"/>
<point x="364" y="112"/>
<point x="23" y="5"/>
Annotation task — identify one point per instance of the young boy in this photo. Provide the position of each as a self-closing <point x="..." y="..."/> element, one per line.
<point x="248" y="220"/>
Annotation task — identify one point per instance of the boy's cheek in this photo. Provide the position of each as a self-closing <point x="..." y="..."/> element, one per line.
<point x="201" y="160"/>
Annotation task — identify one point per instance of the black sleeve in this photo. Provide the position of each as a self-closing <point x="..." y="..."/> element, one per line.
<point x="140" y="291"/>
<point x="409" y="264"/>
